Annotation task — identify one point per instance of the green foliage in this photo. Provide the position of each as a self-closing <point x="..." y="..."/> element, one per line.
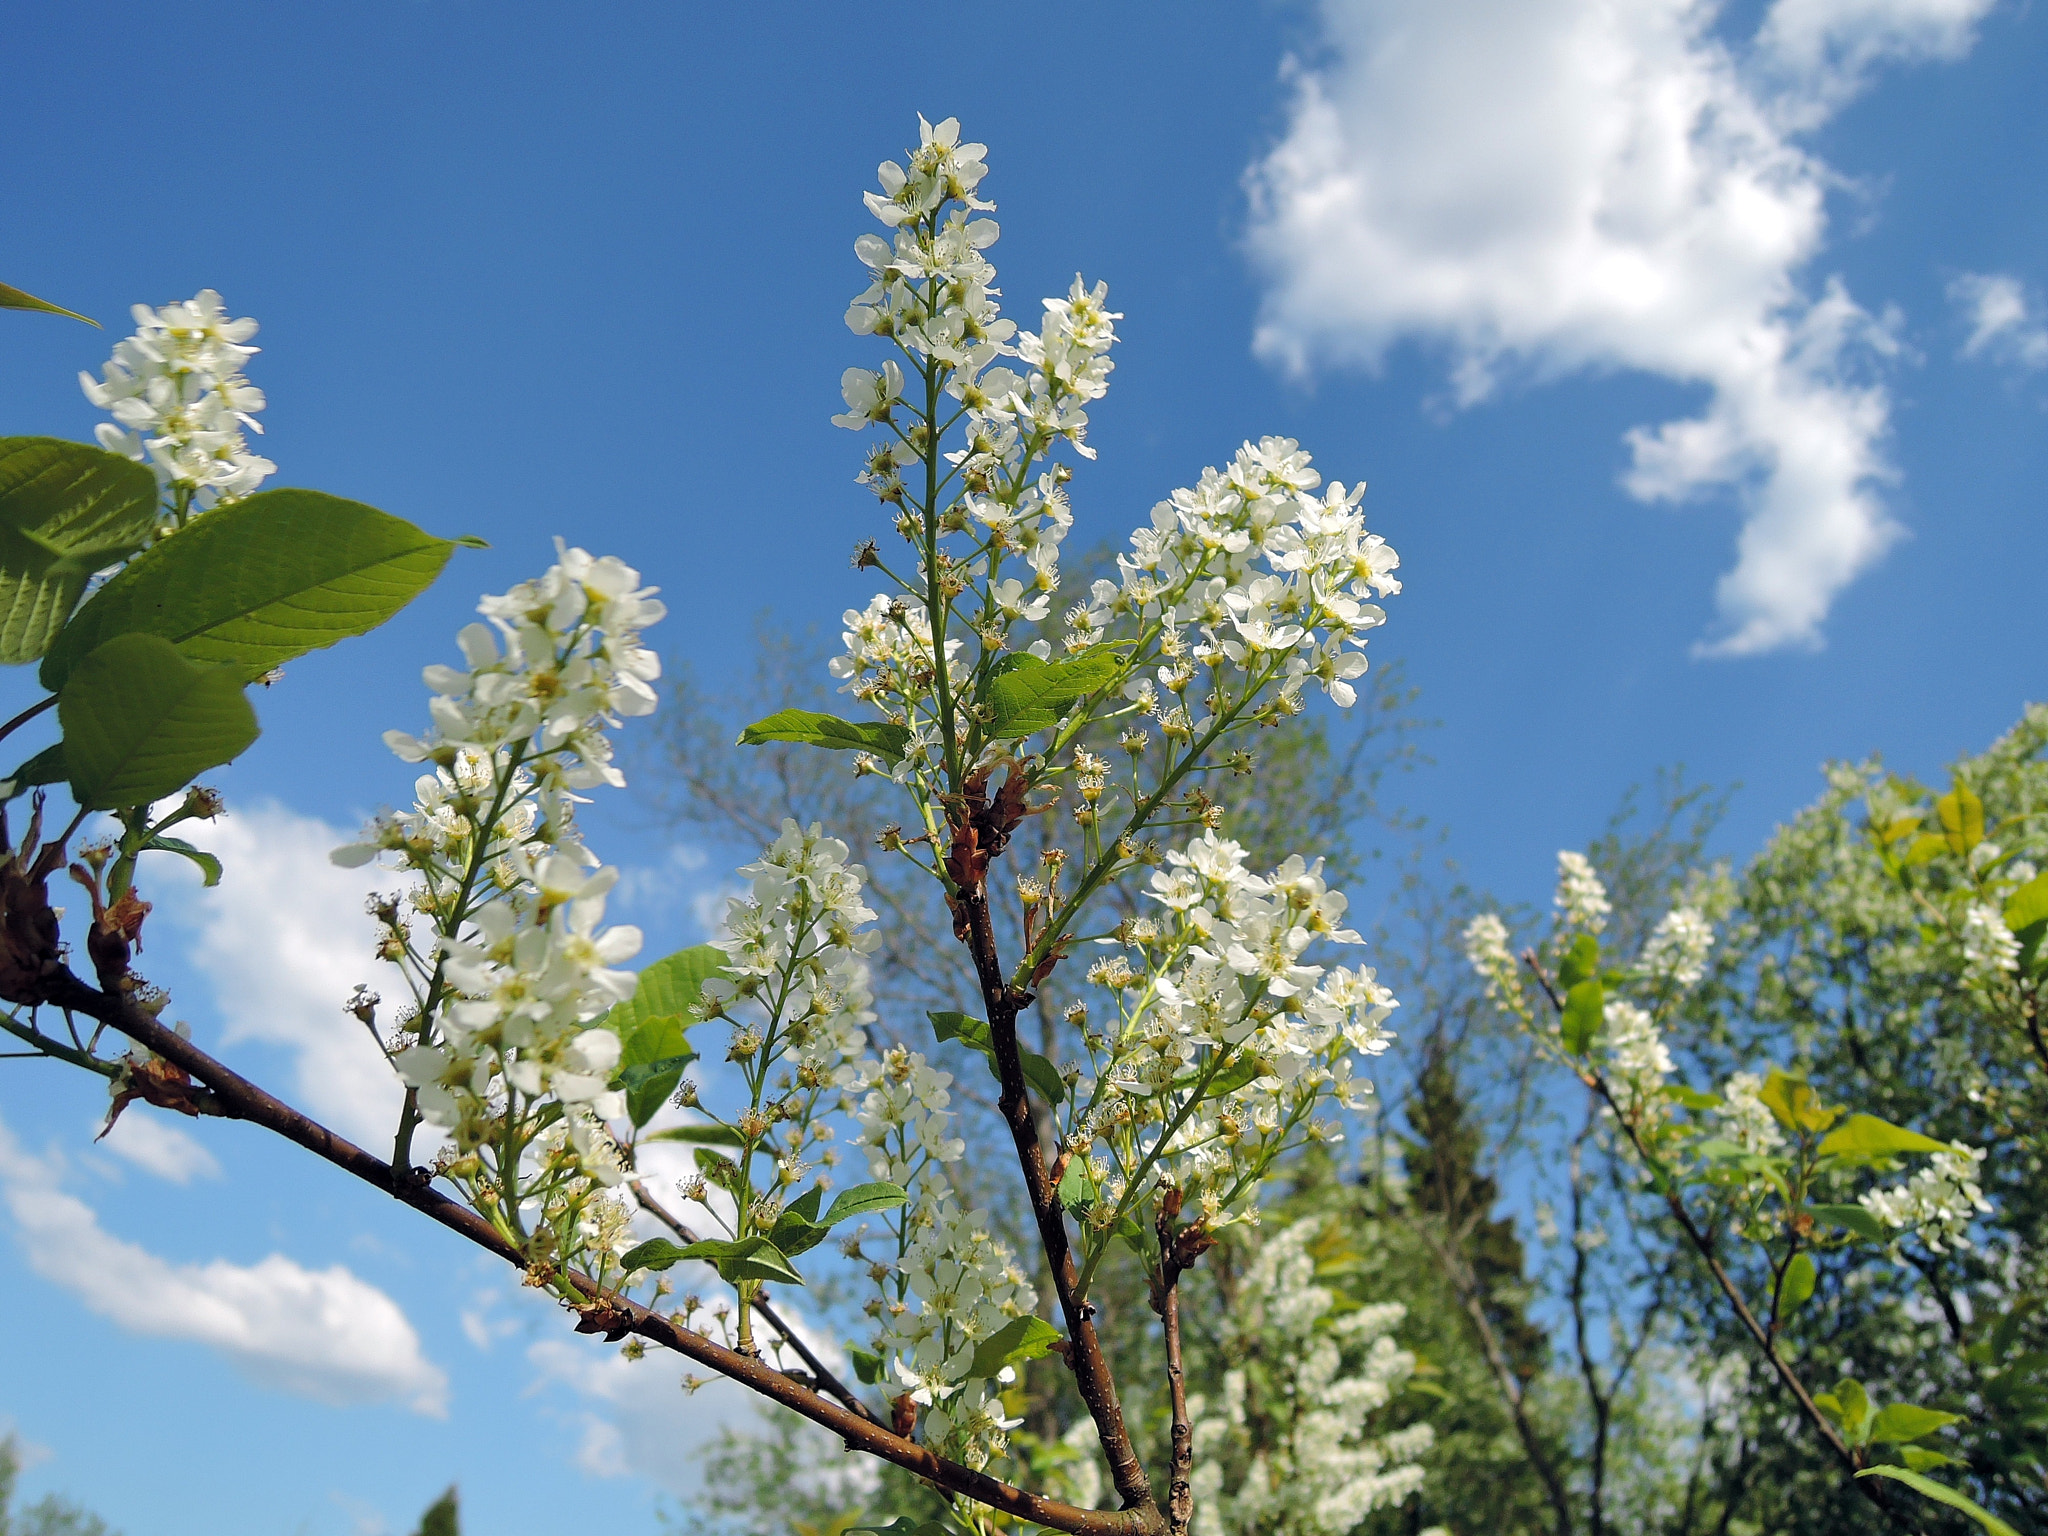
<point x="1020" y="1339"/>
<point x="259" y="582"/>
<point x="973" y="1033"/>
<point x="810" y="728"/>
<point x="66" y="511"/>
<point x="443" y="1517"/>
<point x="141" y="722"/>
<point x="1032" y="695"/>
<point x="1942" y="1493"/>
<point x="48" y="1516"/>
<point x="13" y="298"/>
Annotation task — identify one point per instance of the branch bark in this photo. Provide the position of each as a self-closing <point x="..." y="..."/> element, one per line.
<point x="607" y="1313"/>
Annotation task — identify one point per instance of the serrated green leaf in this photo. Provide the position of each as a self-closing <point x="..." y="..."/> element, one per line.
<point x="1851" y="1218"/>
<point x="1962" y="819"/>
<point x="208" y="865"/>
<point x="67" y="510"/>
<point x="1924" y="849"/>
<point x="1585" y="1010"/>
<point x="1798" y="1285"/>
<point x="46" y="767"/>
<point x="656" y="1253"/>
<point x="1033" y="698"/>
<point x="254" y="584"/>
<point x="810" y="728"/>
<point x="1941" y="1493"/>
<point x="1018" y="1340"/>
<point x="140" y="722"/>
<point x="1862" y="1138"/>
<point x="746" y="1258"/>
<point x="13" y="298"/>
<point x="667" y="989"/>
<point x="1794" y="1103"/>
<point x="862" y="1198"/>
<point x="1902" y="1422"/>
<point x="972" y="1032"/>
<point x="1076" y="1189"/>
<point x="1580" y="963"/>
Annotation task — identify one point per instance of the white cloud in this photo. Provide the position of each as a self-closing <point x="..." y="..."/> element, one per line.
<point x="145" y="1138"/>
<point x="1549" y="187"/>
<point x="633" y="1415"/>
<point x="323" y="1334"/>
<point x="282" y="941"/>
<point x="2005" y="324"/>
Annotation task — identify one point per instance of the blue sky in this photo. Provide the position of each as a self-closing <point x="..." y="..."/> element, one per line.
<point x="529" y="270"/>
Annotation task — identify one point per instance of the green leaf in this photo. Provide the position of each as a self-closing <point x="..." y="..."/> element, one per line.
<point x="1851" y="1218"/>
<point x="1794" y="1103"/>
<point x="904" y="1525"/>
<point x="1585" y="1010"/>
<point x="721" y="1171"/>
<point x="13" y="298"/>
<point x="1941" y="1493"/>
<point x="1849" y="1406"/>
<point x="748" y="1258"/>
<point x="655" y="1253"/>
<point x="1692" y="1098"/>
<point x="46" y="767"/>
<point x="698" y="1135"/>
<point x="2027" y="905"/>
<point x="1077" y="1188"/>
<point x="1581" y="962"/>
<point x="1924" y="849"/>
<point x="881" y="737"/>
<point x="1018" y="1340"/>
<point x="1962" y="819"/>
<point x="1921" y="1459"/>
<point x="648" y="1084"/>
<point x="140" y="722"/>
<point x="1902" y="1422"/>
<point x="862" y="1198"/>
<point x="1864" y="1138"/>
<point x="209" y="866"/>
<point x="1797" y="1286"/>
<point x="970" y="1031"/>
<point x="867" y="1365"/>
<point x="1032" y="698"/>
<point x="256" y="583"/>
<point x="670" y="988"/>
<point x="66" y="511"/>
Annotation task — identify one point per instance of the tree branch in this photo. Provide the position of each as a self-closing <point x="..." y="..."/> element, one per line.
<point x="607" y="1312"/>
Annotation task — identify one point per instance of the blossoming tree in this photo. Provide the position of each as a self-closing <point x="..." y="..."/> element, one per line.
<point x="153" y="581"/>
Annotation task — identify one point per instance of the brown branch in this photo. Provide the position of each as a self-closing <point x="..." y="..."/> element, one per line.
<point x="1180" y="1491"/>
<point x="768" y="1314"/>
<point x="607" y="1312"/>
<point x="1084" y="1352"/>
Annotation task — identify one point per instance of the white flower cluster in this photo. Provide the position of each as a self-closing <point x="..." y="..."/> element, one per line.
<point x="1306" y="1463"/>
<point x="1273" y="578"/>
<point x="1227" y="1038"/>
<point x="1938" y="1202"/>
<point x="517" y="967"/>
<point x="1486" y="948"/>
<point x="1990" y="949"/>
<point x="795" y="950"/>
<point x="180" y="402"/>
<point x="967" y="1285"/>
<point x="1637" y="1059"/>
<point x="904" y="1121"/>
<point x="1676" y="950"/>
<point x="1580" y="895"/>
<point x="1746" y="1119"/>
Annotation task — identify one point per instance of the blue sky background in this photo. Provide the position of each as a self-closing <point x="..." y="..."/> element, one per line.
<point x="526" y="270"/>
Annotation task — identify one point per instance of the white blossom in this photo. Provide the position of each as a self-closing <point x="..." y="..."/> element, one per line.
<point x="1745" y="1118"/>
<point x="1580" y="895"/>
<point x="1938" y="1202"/>
<point x="181" y="403"/>
<point x="1990" y="949"/>
<point x="1676" y="951"/>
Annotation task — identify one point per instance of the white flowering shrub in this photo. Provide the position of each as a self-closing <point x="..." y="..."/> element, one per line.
<point x="1762" y="1178"/>
<point x="1223" y="1028"/>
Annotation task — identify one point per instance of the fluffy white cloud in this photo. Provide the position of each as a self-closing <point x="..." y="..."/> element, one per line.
<point x="1546" y="187"/>
<point x="324" y="1334"/>
<point x="2004" y="322"/>
<point x="282" y="941"/>
<point x="147" y="1139"/>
